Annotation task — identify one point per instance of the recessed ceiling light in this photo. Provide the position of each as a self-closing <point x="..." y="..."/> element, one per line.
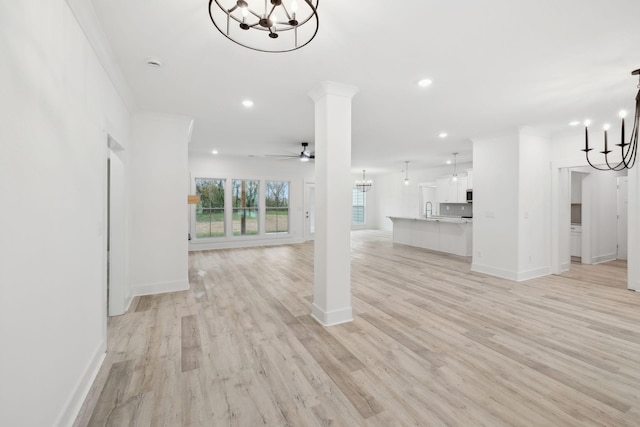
<point x="574" y="123"/>
<point x="214" y="151"/>
<point x="442" y="134"/>
<point x="424" y="82"/>
<point x="247" y="103"/>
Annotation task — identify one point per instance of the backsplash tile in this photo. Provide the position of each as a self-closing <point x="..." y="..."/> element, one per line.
<point x="456" y="209"/>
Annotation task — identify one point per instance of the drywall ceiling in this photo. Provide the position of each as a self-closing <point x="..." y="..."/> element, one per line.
<point x="495" y="65"/>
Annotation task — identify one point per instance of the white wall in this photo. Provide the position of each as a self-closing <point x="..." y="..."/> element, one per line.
<point x="56" y="106"/>
<point x="254" y="168"/>
<point x="534" y="204"/>
<point x="158" y="245"/>
<point x="496" y="205"/>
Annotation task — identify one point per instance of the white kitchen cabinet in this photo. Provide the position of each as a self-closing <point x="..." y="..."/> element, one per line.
<point x="449" y="191"/>
<point x="576" y="241"/>
<point x="442" y="190"/>
<point x="461" y="191"/>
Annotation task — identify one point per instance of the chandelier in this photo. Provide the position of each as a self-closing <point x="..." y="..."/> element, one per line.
<point x="628" y="150"/>
<point x="266" y="25"/>
<point x="364" y="185"/>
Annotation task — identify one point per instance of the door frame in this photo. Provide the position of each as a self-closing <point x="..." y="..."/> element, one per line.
<point x="119" y="297"/>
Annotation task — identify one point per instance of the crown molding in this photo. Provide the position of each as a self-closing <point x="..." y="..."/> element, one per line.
<point x="88" y="21"/>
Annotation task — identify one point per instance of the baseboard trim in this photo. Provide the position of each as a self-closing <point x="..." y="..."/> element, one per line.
<point x="604" y="258"/>
<point x="331" y="318"/>
<point x="492" y="271"/>
<point x="159" y="288"/>
<point x="127" y="303"/>
<point x="516" y="276"/>
<point x="240" y="242"/>
<point x="532" y="274"/>
<point x="81" y="390"/>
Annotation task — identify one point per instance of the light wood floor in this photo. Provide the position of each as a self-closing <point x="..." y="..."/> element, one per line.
<point x="432" y="344"/>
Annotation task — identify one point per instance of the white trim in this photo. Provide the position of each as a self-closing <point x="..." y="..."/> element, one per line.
<point x="532" y="274"/>
<point x="88" y="21"/>
<point x="516" y="276"/>
<point x="127" y="303"/>
<point x="160" y="287"/>
<point x="481" y="268"/>
<point x="243" y="241"/>
<point x="80" y="392"/>
<point x="564" y="267"/>
<point x="604" y="258"/>
<point x="331" y="318"/>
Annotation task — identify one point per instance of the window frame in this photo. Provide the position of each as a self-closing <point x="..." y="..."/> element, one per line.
<point x="267" y="208"/>
<point x="256" y="197"/>
<point x="223" y="182"/>
<point x="362" y="195"/>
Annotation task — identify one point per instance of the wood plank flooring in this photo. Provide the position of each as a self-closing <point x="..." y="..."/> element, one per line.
<point x="431" y="344"/>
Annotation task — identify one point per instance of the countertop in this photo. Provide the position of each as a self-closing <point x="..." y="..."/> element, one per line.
<point x="436" y="218"/>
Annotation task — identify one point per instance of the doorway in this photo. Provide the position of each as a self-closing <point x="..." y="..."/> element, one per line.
<point x="593" y="202"/>
<point x="117" y="295"/>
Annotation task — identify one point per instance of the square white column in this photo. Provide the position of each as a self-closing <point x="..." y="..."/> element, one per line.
<point x="332" y="256"/>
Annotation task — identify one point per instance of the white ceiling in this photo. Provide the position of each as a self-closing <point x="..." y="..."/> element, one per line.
<point x="495" y="65"/>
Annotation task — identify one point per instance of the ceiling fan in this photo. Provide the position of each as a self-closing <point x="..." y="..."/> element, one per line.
<point x="304" y="156"/>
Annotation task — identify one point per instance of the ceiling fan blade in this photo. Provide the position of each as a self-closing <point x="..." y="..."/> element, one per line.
<point x="282" y="155"/>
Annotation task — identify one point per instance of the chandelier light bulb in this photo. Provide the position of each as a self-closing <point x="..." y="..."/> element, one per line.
<point x="622" y="114"/>
<point x="587" y="123"/>
<point x="294" y="6"/>
<point x="606" y="126"/>
<point x="406" y="181"/>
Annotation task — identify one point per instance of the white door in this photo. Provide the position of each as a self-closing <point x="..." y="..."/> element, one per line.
<point x="622" y="216"/>
<point x="309" y="210"/>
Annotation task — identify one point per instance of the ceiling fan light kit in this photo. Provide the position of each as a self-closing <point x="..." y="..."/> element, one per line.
<point x="266" y="25"/>
<point x="628" y="150"/>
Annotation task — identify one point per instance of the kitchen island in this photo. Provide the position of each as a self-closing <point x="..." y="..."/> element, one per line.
<point x="445" y="234"/>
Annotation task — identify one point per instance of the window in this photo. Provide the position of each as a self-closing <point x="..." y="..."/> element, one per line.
<point x="277" y="207"/>
<point x="245" y="207"/>
<point x="358" y="207"/>
<point x="210" y="211"/>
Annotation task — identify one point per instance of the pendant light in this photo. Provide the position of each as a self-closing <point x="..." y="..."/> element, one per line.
<point x="454" y="177"/>
<point x="406" y="172"/>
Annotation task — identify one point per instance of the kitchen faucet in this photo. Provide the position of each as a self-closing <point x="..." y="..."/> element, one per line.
<point x="428" y="209"/>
